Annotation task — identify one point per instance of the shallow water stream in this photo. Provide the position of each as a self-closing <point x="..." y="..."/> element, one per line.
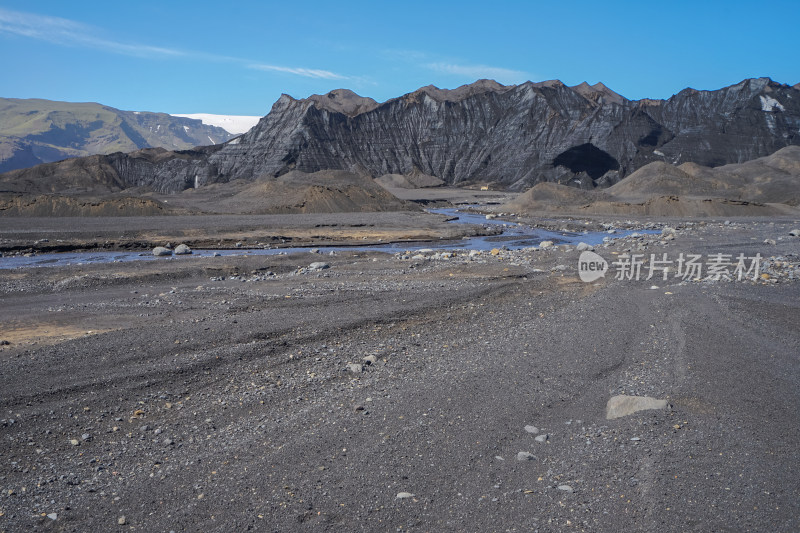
<point x="513" y="237"/>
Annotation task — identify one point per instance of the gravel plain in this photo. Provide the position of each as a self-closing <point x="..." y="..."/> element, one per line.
<point x="421" y="392"/>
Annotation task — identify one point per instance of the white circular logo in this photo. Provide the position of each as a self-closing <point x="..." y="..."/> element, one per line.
<point x="591" y="266"/>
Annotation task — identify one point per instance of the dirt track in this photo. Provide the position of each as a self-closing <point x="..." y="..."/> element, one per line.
<point x="164" y="394"/>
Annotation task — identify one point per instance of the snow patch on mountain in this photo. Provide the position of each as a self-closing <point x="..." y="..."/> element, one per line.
<point x="769" y="104"/>
<point x="230" y="123"/>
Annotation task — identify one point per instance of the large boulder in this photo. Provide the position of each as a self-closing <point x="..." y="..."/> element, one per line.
<point x="160" y="251"/>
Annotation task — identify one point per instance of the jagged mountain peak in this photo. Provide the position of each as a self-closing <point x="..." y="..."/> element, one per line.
<point x="464" y="91"/>
<point x="549" y="84"/>
<point x="599" y="93"/>
<point x="344" y="101"/>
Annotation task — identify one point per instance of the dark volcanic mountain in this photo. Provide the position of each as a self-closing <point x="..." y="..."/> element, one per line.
<point x="516" y="136"/>
<point x="35" y="131"/>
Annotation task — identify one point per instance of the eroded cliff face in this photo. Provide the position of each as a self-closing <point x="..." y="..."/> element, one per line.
<point x="584" y="136"/>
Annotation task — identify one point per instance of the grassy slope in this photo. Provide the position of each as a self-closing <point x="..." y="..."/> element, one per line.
<point x="35" y="130"/>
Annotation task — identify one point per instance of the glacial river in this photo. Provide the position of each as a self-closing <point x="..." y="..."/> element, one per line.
<point x="513" y="237"/>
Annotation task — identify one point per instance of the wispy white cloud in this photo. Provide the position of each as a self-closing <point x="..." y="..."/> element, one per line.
<point x="479" y="71"/>
<point x="67" y="32"/>
<point x="70" y="33"/>
<point x="307" y="72"/>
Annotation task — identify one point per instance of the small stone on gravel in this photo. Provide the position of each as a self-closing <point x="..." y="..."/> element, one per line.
<point x="623" y="405"/>
<point x="525" y="456"/>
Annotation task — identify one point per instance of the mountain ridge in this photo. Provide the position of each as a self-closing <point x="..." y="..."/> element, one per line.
<point x="585" y="136"/>
<point x="35" y="130"/>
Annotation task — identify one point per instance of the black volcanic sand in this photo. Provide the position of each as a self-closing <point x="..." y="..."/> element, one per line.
<point x="28" y="234"/>
<point x="215" y="394"/>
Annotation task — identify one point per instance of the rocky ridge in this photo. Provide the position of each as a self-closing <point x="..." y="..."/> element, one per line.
<point x="514" y="136"/>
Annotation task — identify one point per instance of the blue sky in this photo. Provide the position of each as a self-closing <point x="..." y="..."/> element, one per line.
<point x="238" y="57"/>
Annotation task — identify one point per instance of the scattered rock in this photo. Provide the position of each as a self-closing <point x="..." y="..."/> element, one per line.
<point x="495" y="251"/>
<point x="525" y="456"/>
<point x="355" y="368"/>
<point x="121" y="520"/>
<point x="161" y="251"/>
<point x="404" y="495"/>
<point x="795" y="233"/>
<point x="582" y="247"/>
<point x="623" y="405"/>
<point x="544" y="437"/>
<point x="75" y="442"/>
<point x="318" y="265"/>
<point x="544" y="245"/>
<point x="370" y="360"/>
<point x="770" y="241"/>
<point x="182" y="249"/>
<point x="531" y="429"/>
<point x="565" y="488"/>
<point x="53" y="516"/>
